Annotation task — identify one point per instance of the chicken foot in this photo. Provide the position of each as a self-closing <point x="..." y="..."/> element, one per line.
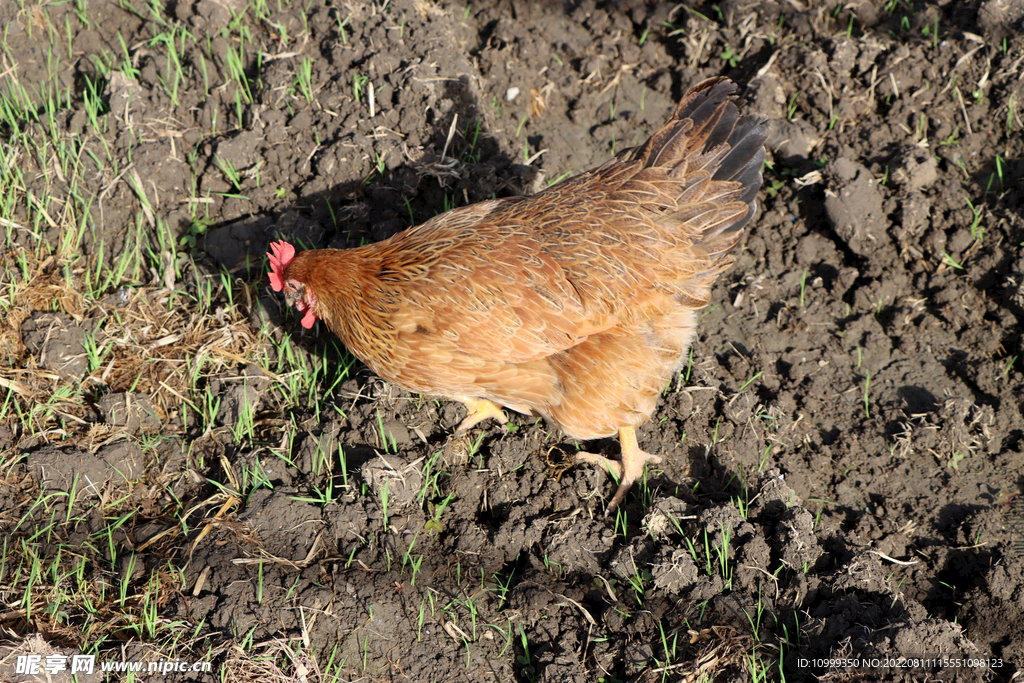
<point x="627" y="469"/>
<point x="479" y="410"/>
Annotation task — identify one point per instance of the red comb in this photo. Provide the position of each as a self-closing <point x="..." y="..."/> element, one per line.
<point x="282" y="254"/>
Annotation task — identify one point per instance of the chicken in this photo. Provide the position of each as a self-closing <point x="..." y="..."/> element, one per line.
<point x="577" y="304"/>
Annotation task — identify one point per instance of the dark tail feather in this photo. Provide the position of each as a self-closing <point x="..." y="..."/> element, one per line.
<point x="734" y="149"/>
<point x="706" y="119"/>
<point x="711" y="158"/>
<point x="746" y="156"/>
<point x="744" y="137"/>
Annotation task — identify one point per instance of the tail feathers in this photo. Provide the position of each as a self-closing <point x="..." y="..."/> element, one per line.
<point x="716" y="248"/>
<point x="746" y="156"/>
<point x="717" y="154"/>
<point x="697" y="178"/>
<point x="704" y="98"/>
<point x="703" y="120"/>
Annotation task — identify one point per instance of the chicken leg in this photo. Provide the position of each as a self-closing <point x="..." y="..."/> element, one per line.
<point x="627" y="469"/>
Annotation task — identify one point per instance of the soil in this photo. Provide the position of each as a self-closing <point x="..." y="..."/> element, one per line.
<point x="842" y="458"/>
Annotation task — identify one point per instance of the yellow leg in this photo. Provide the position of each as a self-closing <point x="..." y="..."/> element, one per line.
<point x="480" y="409"/>
<point x="627" y="469"/>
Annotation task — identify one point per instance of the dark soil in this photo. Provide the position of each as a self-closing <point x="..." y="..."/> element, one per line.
<point x="851" y="419"/>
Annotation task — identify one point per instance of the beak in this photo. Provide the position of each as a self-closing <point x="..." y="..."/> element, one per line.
<point x="294" y="295"/>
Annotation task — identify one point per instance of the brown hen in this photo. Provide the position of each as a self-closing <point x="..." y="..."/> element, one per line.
<point x="576" y="304"/>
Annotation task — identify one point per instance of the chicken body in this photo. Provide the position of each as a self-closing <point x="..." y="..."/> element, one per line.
<point x="576" y="304"/>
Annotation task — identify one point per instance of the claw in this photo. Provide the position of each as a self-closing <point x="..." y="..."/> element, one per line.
<point x="479" y="410"/>
<point x="627" y="469"/>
